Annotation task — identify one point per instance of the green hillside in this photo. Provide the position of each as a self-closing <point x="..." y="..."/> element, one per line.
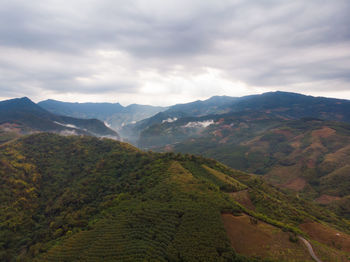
<point x="309" y="156"/>
<point x="90" y="199"/>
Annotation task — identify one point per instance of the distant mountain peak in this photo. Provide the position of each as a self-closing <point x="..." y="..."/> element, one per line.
<point x="23" y="103"/>
<point x="33" y="117"/>
<point x="25" y="98"/>
<point x="20" y="100"/>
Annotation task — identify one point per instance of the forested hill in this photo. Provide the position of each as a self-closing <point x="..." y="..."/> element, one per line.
<point x="90" y="199"/>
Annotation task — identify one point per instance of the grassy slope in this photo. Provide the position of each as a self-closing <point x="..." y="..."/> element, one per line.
<point x="79" y="199"/>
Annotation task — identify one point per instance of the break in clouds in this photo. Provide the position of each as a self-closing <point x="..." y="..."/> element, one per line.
<point x="165" y="52"/>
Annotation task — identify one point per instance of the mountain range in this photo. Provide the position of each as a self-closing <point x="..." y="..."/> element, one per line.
<point x="281" y="104"/>
<point x="299" y="143"/>
<point x="113" y="114"/>
<point x="24" y="116"/>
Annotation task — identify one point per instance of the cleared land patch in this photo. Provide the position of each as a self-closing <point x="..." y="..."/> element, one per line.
<point x="262" y="240"/>
<point x="327" y="235"/>
<point x="296" y="184"/>
<point x="326" y="199"/>
<point x="243" y="198"/>
<point x="323" y="132"/>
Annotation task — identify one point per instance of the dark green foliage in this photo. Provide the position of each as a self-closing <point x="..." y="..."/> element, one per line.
<point x="89" y="199"/>
<point x="72" y="194"/>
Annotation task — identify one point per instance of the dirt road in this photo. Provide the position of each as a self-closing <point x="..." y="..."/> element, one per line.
<point x="309" y="248"/>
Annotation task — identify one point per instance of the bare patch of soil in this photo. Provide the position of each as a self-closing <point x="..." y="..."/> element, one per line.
<point x="326" y="199"/>
<point x="341" y="157"/>
<point x="262" y="240"/>
<point x="243" y="198"/>
<point x="286" y="133"/>
<point x="296" y="184"/>
<point x="283" y="175"/>
<point x="10" y="127"/>
<point x="327" y="235"/>
<point x="323" y="132"/>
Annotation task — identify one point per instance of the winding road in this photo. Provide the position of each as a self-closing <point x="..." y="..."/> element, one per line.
<point x="309" y="248"/>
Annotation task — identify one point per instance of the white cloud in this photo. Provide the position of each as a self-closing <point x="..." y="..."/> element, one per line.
<point x="166" y="52"/>
<point x="169" y="120"/>
<point x="199" y="124"/>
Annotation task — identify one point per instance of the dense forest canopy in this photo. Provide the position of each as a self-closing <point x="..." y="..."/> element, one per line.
<point x="78" y="198"/>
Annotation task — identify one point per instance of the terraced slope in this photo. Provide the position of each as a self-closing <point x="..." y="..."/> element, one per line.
<point x="89" y="199"/>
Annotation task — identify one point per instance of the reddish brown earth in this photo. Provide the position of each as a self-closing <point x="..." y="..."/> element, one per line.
<point x="243" y="198"/>
<point x="323" y="132"/>
<point x="296" y="184"/>
<point x="262" y="240"/>
<point x="286" y="133"/>
<point x="326" y="199"/>
<point x="327" y="235"/>
<point x="8" y="127"/>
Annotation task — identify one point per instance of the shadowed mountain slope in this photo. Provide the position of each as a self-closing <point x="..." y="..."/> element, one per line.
<point x="29" y="117"/>
<point x="114" y="114"/>
<point x="280" y="104"/>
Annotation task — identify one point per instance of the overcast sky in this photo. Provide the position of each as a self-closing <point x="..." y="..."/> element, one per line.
<point x="165" y="52"/>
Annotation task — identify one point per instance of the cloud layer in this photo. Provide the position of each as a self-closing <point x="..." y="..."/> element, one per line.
<point x="165" y="52"/>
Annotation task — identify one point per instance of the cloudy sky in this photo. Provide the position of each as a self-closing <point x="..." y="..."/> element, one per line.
<point x="163" y="52"/>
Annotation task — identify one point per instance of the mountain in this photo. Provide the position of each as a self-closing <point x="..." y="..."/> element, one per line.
<point x="114" y="114"/>
<point x="309" y="156"/>
<point x="213" y="105"/>
<point x="297" y="142"/>
<point x="187" y="128"/>
<point x="281" y="104"/>
<point x="295" y="106"/>
<point x="90" y="199"/>
<point x="25" y="116"/>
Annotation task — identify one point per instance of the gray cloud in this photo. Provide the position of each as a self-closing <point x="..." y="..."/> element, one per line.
<point x="121" y="48"/>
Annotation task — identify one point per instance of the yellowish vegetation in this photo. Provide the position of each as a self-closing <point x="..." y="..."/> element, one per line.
<point x="225" y="178"/>
<point x="341" y="156"/>
<point x="181" y="176"/>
